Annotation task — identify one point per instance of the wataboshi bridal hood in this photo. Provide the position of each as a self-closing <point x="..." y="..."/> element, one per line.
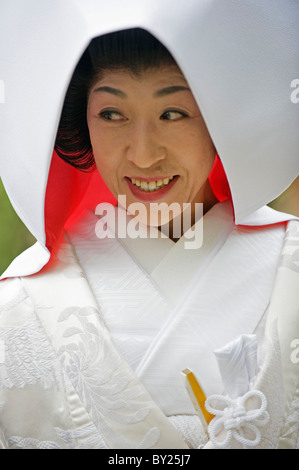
<point x="240" y="59"/>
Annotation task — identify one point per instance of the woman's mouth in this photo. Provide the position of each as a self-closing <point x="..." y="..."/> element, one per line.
<point x="151" y="185"/>
<point x="151" y="188"/>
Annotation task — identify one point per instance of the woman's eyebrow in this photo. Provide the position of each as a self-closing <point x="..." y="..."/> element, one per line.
<point x="157" y="94"/>
<point x="169" y="90"/>
<point x="113" y="91"/>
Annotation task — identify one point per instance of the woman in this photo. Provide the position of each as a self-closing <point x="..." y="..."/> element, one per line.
<point x="99" y="337"/>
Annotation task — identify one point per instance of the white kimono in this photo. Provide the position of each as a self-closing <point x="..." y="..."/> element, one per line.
<point x="92" y="348"/>
<point x="94" y="336"/>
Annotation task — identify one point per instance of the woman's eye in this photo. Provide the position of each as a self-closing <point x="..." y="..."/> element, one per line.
<point x="173" y="115"/>
<point x="110" y="115"/>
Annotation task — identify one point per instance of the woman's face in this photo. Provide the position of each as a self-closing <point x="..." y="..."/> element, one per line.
<point x="149" y="140"/>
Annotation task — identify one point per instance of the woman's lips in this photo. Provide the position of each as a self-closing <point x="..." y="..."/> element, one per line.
<point x="151" y="189"/>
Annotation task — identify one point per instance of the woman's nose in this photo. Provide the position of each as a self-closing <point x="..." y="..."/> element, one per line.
<point x="145" y="148"/>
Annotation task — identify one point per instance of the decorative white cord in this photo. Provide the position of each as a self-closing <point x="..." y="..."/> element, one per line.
<point x="232" y="417"/>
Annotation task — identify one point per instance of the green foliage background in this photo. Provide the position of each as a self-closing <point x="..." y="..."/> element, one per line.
<point x="14" y="236"/>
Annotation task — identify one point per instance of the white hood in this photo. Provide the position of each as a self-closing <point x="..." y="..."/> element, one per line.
<point x="239" y="58"/>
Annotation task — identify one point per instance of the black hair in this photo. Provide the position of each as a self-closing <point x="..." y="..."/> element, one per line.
<point x="134" y="50"/>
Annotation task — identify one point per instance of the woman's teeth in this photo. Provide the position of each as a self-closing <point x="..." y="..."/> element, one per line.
<point x="152" y="185"/>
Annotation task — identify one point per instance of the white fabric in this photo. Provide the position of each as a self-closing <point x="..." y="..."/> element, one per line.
<point x="28" y="262"/>
<point x="225" y="50"/>
<point x="232" y="418"/>
<point x="65" y="385"/>
<point x="238" y="364"/>
<point x="191" y="430"/>
<point x="196" y="305"/>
